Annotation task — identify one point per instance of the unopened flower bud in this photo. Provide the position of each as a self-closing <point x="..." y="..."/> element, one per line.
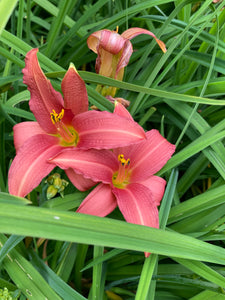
<point x="50" y="180"/>
<point x="51" y="192"/>
<point x="5" y="294"/>
<point x="57" y="183"/>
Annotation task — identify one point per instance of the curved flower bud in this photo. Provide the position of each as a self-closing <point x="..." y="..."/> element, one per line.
<point x="114" y="52"/>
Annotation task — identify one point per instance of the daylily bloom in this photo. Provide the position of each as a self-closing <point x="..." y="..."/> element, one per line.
<point x="61" y="124"/>
<point x="126" y="177"/>
<point x="114" y="52"/>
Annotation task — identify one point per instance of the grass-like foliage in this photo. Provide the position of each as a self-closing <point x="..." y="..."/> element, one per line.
<point x="47" y="251"/>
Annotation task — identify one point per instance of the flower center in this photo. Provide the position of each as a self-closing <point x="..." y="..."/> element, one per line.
<point x="120" y="178"/>
<point x="68" y="135"/>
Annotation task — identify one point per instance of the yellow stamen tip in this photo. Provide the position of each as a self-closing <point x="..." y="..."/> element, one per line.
<point x="61" y="114"/>
<point x="56" y="117"/>
<point x="123" y="161"/>
<point x="120" y="157"/>
<point x="117" y="29"/>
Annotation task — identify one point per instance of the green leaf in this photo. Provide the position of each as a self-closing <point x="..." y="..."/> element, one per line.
<point x="63" y="289"/>
<point x="12" y="241"/>
<point x="203" y="270"/>
<point x="25" y="276"/>
<point x="80" y="228"/>
<point x="6" y="9"/>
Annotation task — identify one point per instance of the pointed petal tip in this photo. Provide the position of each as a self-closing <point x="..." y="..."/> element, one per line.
<point x="161" y="45"/>
<point x="71" y="66"/>
<point x="74" y="91"/>
<point x="135" y="31"/>
<point x="29" y="55"/>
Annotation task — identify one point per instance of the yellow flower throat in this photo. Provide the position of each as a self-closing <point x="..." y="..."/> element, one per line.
<point x="68" y="135"/>
<point x="120" y="178"/>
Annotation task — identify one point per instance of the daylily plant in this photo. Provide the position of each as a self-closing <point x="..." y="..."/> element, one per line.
<point x="61" y="124"/>
<point x="126" y="177"/>
<point x="114" y="52"/>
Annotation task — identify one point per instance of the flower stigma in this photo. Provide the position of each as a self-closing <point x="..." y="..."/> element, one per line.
<point x="69" y="136"/>
<point x="120" y="178"/>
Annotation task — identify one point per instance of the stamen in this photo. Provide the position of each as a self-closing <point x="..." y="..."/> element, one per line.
<point x="67" y="133"/>
<point x="117" y="29"/>
<point x="123" y="161"/>
<point x="56" y="117"/>
<point x="121" y="177"/>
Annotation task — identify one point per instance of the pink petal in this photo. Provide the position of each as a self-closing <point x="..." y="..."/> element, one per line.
<point x="109" y="40"/>
<point x="125" y="57"/>
<point x="133" y="32"/>
<point x="113" y="51"/>
<point x="79" y="181"/>
<point x="136" y="204"/>
<point x="147" y="157"/>
<point x="74" y="91"/>
<point x="106" y="130"/>
<point x="157" y="187"/>
<point x="30" y="165"/>
<point x="121" y="111"/>
<point x="98" y="165"/>
<point x="100" y="202"/>
<point x="43" y="97"/>
<point x="23" y="131"/>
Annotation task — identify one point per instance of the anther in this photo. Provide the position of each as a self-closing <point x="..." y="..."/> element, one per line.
<point x="123" y="161"/>
<point x="56" y="117"/>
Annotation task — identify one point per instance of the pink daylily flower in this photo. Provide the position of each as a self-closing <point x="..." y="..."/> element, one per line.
<point x="126" y="177"/>
<point x="114" y="52"/>
<point x="61" y="124"/>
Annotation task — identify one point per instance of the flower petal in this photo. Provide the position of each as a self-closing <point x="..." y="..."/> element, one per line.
<point x="23" y="131"/>
<point x="43" y="97"/>
<point x="101" y="130"/>
<point x="124" y="59"/>
<point x="100" y="202"/>
<point x="147" y="157"/>
<point x="133" y="32"/>
<point x="98" y="165"/>
<point x="74" y="91"/>
<point x="93" y="41"/>
<point x="30" y="165"/>
<point x="104" y="63"/>
<point x="79" y="181"/>
<point x="136" y="204"/>
<point x="157" y="187"/>
<point x="109" y="40"/>
<point x="121" y="111"/>
<point x="113" y="51"/>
